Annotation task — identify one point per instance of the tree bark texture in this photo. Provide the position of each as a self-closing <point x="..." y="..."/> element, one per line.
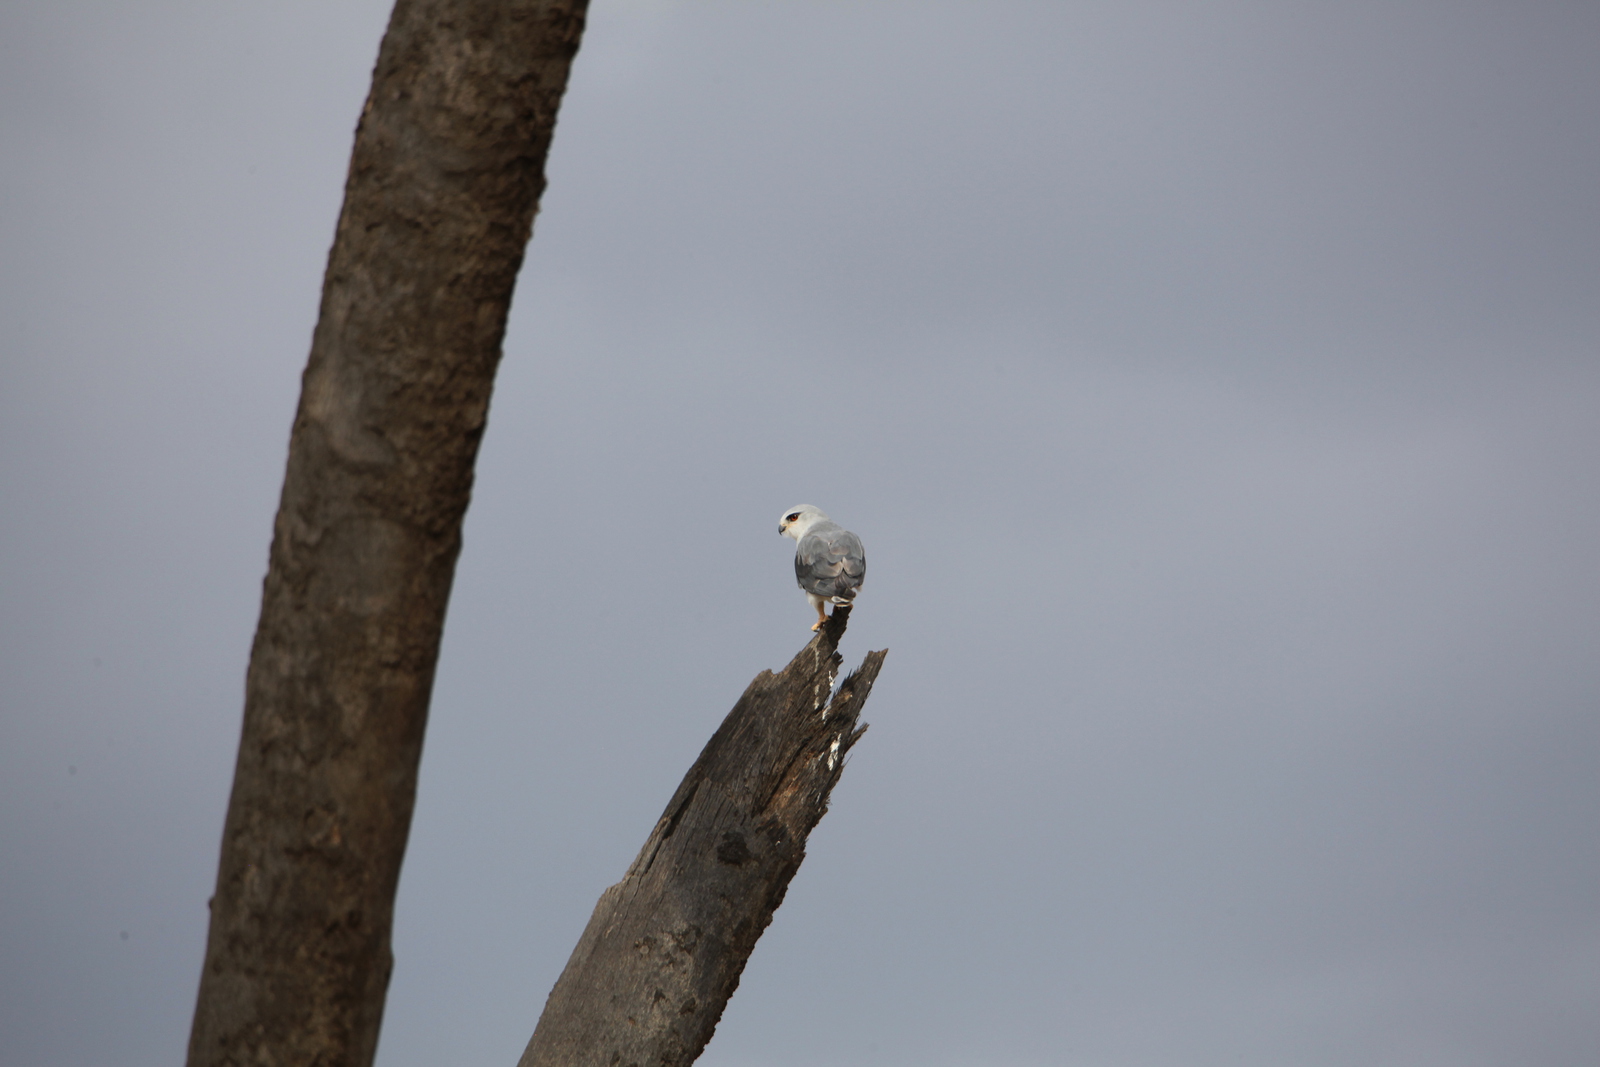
<point x="664" y="949"/>
<point x="444" y="182"/>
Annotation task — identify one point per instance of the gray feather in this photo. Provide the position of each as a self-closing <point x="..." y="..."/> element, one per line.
<point x="830" y="562"/>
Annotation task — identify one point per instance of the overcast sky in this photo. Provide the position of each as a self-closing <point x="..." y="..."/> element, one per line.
<point x="1214" y="386"/>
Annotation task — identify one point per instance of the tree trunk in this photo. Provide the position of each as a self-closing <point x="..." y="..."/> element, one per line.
<point x="664" y="949"/>
<point x="444" y="181"/>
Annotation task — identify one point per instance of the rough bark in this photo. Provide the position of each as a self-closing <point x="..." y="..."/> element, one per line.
<point x="444" y="182"/>
<point x="664" y="949"/>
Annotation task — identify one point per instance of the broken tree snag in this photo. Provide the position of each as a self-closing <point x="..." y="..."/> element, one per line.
<point x="666" y="945"/>
<point x="444" y="180"/>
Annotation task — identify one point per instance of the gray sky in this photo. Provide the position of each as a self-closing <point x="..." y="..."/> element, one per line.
<point x="1214" y="386"/>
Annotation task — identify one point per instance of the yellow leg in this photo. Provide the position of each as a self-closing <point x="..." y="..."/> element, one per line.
<point x="822" y="617"/>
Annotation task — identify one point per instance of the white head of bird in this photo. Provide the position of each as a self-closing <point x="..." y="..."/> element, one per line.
<point x="800" y="518"/>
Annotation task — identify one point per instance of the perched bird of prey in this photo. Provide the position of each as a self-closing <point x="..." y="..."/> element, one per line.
<point x="830" y="563"/>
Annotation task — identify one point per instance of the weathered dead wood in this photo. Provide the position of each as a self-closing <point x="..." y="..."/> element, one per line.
<point x="664" y="949"/>
<point x="444" y="181"/>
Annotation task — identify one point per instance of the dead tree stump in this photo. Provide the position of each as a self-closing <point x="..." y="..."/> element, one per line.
<point x="664" y="949"/>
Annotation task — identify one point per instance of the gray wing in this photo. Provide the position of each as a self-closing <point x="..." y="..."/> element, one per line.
<point x="830" y="561"/>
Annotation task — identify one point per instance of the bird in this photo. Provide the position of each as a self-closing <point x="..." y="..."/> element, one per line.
<point x="829" y="562"/>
